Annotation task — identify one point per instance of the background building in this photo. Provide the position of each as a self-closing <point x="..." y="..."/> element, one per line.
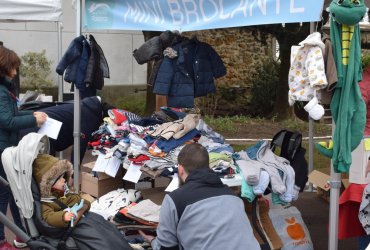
<point x="24" y="37"/>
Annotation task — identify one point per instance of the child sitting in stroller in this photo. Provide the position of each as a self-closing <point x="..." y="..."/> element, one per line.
<point x="61" y="208"/>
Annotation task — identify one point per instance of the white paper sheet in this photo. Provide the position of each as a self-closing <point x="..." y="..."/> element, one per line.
<point x="51" y="128"/>
<point x="174" y="184"/>
<point x="112" y="166"/>
<point x="133" y="173"/>
<point x="100" y="163"/>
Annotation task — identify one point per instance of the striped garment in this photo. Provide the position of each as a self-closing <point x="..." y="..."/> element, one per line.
<point x="208" y="131"/>
<point x="131" y="117"/>
<point x="137" y="129"/>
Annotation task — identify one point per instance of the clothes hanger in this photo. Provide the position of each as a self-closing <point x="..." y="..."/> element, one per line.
<point x="177" y="32"/>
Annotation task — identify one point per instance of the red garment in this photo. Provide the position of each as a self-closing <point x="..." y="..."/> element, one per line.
<point x="365" y="92"/>
<point x="139" y="159"/>
<point x="6" y="246"/>
<point x="119" y="116"/>
<point x="349" y="204"/>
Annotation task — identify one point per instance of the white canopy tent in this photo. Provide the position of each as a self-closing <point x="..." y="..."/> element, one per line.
<point x="35" y="10"/>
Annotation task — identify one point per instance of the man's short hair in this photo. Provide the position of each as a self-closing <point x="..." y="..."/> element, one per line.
<point x="193" y="156"/>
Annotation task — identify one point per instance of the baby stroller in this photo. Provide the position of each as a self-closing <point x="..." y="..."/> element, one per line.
<point x="17" y="163"/>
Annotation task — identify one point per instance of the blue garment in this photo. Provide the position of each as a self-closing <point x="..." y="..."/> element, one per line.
<point x="176" y="115"/>
<point x="6" y="197"/>
<point x="168" y="145"/>
<point x="82" y="66"/>
<point x="71" y="59"/>
<point x="363" y="242"/>
<point x="236" y="156"/>
<point x="191" y="74"/>
<point x="223" y="148"/>
<point x="146" y="121"/>
<point x="167" y="172"/>
<point x="247" y="191"/>
<point x="149" y="140"/>
<point x="75" y="62"/>
<point x="252" y="150"/>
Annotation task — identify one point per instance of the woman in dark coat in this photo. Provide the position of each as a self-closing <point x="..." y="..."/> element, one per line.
<point x="11" y="121"/>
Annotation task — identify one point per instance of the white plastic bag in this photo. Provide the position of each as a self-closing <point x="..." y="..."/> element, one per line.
<point x="289" y="224"/>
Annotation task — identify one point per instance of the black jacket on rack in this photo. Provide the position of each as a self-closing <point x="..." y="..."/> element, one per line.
<point x="153" y="50"/>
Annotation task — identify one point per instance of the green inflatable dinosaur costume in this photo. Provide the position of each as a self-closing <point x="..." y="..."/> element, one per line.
<point x="347" y="106"/>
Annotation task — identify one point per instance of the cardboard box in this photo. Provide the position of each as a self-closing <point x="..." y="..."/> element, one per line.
<point x="321" y="178"/>
<point x="87" y="197"/>
<point x="162" y="181"/>
<point x="360" y="158"/>
<point x="87" y="167"/>
<point x="100" y="184"/>
<point x="154" y="194"/>
<point x="147" y="182"/>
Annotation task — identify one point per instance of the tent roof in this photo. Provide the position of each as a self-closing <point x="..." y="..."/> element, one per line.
<point x="35" y="10"/>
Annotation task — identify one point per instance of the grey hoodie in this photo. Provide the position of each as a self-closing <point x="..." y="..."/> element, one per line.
<point x="204" y="214"/>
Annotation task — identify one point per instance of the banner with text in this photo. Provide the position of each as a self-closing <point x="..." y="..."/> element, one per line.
<point x="187" y="15"/>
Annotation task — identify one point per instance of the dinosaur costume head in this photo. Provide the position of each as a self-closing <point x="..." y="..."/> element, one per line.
<point x="349" y="12"/>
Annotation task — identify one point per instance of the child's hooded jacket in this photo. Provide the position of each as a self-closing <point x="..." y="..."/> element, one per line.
<point x="46" y="171"/>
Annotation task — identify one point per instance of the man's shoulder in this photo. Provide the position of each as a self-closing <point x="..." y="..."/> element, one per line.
<point x="192" y="192"/>
<point x="178" y="192"/>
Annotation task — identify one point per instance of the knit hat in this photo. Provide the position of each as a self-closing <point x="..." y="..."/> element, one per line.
<point x="47" y="170"/>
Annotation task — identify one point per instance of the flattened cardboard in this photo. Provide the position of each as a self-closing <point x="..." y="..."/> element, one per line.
<point x="321" y="178"/>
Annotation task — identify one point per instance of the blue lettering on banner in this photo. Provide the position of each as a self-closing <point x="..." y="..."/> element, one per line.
<point x="186" y="15"/>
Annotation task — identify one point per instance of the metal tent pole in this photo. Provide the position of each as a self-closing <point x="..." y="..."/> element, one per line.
<point x="335" y="184"/>
<point x="77" y="114"/>
<point x="60" y="78"/>
<point x="310" y="132"/>
<point x="310" y="150"/>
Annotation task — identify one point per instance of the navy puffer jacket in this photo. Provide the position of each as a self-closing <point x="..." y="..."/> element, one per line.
<point x="191" y="74"/>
